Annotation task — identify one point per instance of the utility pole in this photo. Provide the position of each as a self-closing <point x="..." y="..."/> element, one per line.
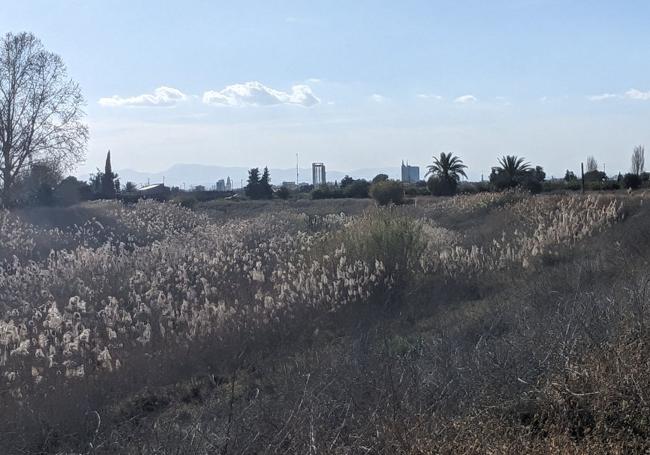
<point x="297" y="172"/>
<point x="582" y="172"/>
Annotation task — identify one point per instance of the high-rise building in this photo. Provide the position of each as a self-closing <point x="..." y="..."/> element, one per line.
<point x="410" y="174"/>
<point x="318" y="174"/>
<point x="221" y="185"/>
<point x="228" y="184"/>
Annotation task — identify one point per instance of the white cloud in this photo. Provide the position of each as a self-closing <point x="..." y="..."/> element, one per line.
<point x="161" y="97"/>
<point x="603" y="97"/>
<point x="428" y="96"/>
<point x="465" y="99"/>
<point x="257" y="94"/>
<point x="377" y="98"/>
<point x="635" y="94"/>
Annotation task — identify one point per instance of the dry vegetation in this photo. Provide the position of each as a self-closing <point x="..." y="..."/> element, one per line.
<point x="492" y="323"/>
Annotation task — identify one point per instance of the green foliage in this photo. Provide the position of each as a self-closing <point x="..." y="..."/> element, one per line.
<point x="632" y="181"/>
<point x="442" y="185"/>
<point x="391" y="237"/>
<point x="515" y="172"/>
<point x="570" y="176"/>
<point x="447" y="167"/>
<point x="71" y="191"/>
<point x="380" y="178"/>
<point x="283" y="193"/>
<point x="345" y="181"/>
<point x="595" y="176"/>
<point x="387" y="192"/>
<point x="108" y="190"/>
<point x="259" y="187"/>
<point x="357" y="189"/>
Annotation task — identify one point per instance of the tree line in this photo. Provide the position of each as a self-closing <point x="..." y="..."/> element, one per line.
<point x="42" y="135"/>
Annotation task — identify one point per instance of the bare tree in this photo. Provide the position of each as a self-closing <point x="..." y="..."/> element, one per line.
<point x="40" y="110"/>
<point x="592" y="164"/>
<point x="638" y="160"/>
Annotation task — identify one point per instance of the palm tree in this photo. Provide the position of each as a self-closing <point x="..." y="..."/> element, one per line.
<point x="447" y="167"/>
<point x="513" y="166"/>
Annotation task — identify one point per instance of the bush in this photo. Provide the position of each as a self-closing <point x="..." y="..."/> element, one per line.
<point x="188" y="202"/>
<point x="531" y="184"/>
<point x="325" y="192"/>
<point x="441" y="186"/>
<point x="387" y="192"/>
<point x="357" y="189"/>
<point x="283" y="193"/>
<point x="389" y="236"/>
<point x="632" y="181"/>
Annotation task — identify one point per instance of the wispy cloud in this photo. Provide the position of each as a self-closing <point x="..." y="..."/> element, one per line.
<point x="161" y="97"/>
<point x="602" y="97"/>
<point x="632" y="94"/>
<point x="429" y="96"/>
<point x="466" y="99"/>
<point x="377" y="98"/>
<point x="635" y="94"/>
<point x="257" y="94"/>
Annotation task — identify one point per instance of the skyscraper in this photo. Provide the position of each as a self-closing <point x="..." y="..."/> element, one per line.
<point x="410" y="174"/>
<point x="318" y="174"/>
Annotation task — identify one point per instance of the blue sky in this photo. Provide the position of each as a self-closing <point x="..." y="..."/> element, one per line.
<point x="353" y="84"/>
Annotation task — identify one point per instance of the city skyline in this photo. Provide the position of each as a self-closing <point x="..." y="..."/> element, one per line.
<point x="478" y="80"/>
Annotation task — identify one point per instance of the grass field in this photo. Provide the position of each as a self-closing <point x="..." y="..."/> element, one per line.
<point x="490" y="323"/>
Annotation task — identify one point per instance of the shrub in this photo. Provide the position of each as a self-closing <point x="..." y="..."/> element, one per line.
<point x="530" y="183"/>
<point x="325" y="192"/>
<point x="390" y="237"/>
<point x="283" y="193"/>
<point x="357" y="189"/>
<point x="595" y="176"/>
<point x="441" y="186"/>
<point x="632" y="181"/>
<point x="188" y="202"/>
<point x="387" y="192"/>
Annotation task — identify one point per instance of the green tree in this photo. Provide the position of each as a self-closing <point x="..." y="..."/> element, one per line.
<point x="447" y="166"/>
<point x="347" y="180"/>
<point x="283" y="193"/>
<point x="387" y="192"/>
<point x="358" y="189"/>
<point x="266" y="191"/>
<point x="108" y="180"/>
<point x="513" y="166"/>
<point x="445" y="172"/>
<point x="252" y="189"/>
<point x="509" y="172"/>
<point x="380" y="178"/>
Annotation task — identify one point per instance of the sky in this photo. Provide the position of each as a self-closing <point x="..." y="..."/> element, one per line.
<point x="354" y="84"/>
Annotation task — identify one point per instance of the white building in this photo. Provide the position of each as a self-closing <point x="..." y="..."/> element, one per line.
<point x="318" y="174"/>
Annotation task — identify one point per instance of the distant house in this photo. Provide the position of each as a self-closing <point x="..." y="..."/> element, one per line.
<point x="156" y="191"/>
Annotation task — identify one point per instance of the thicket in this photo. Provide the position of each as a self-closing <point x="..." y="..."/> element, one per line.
<point x="473" y="324"/>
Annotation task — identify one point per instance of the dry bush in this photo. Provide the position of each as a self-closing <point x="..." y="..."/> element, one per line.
<point x="166" y="331"/>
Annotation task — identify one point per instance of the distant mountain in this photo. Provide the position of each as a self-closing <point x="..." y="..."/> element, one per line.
<point x="190" y="175"/>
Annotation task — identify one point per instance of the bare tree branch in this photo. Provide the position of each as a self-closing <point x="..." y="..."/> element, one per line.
<point x="41" y="110"/>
